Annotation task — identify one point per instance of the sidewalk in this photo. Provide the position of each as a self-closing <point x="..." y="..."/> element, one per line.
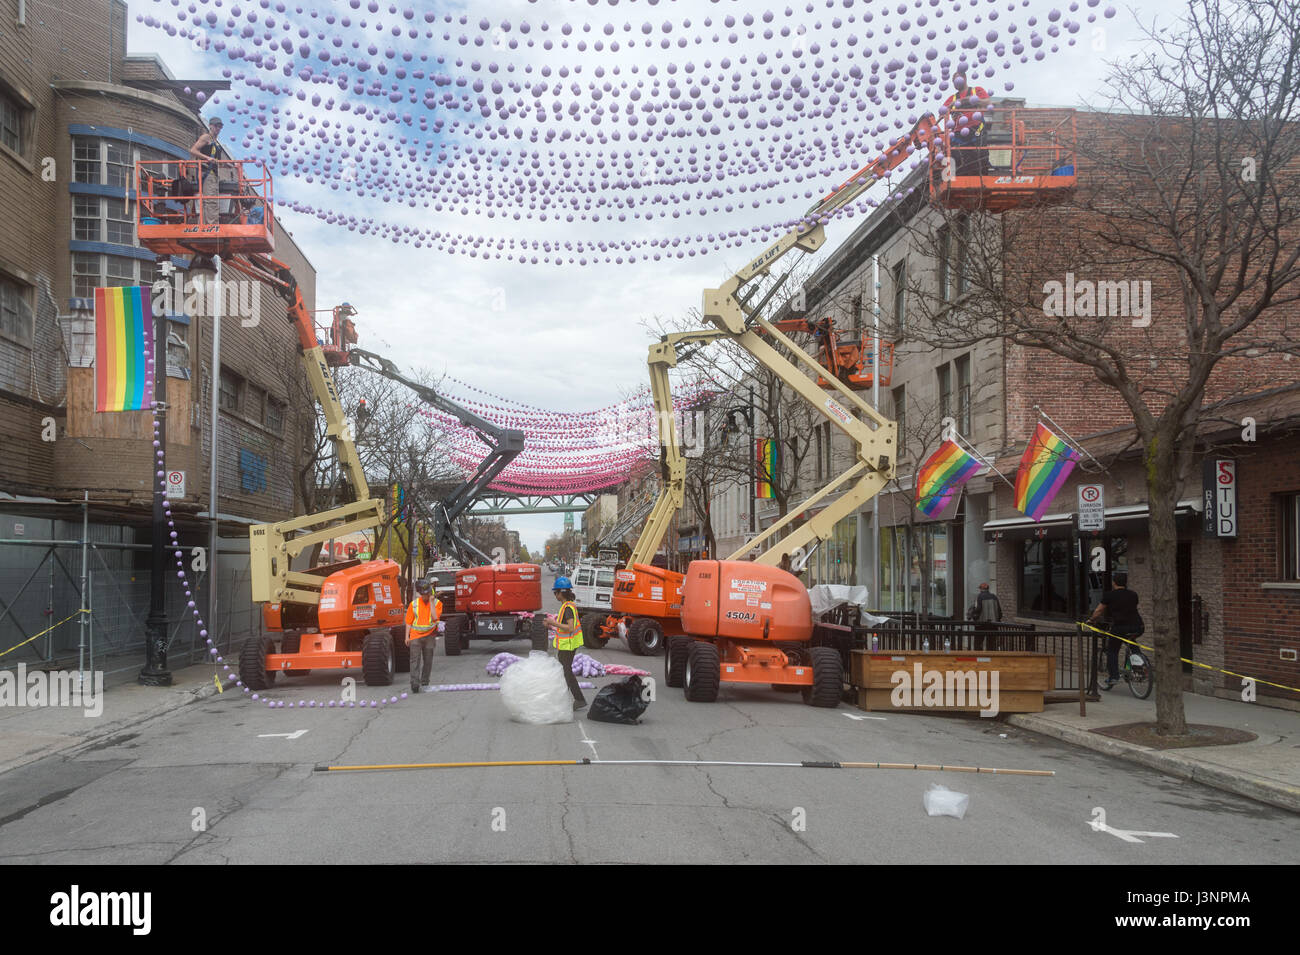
<point x="1266" y="770"/>
<point x="31" y="733"/>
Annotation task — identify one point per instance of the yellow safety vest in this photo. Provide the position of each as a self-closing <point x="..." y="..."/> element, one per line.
<point x="563" y="642"/>
<point x="422" y="627"/>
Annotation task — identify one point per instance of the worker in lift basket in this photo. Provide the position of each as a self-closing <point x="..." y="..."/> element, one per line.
<point x="568" y="636"/>
<point x="422" y="618"/>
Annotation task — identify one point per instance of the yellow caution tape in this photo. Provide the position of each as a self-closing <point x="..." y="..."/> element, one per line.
<point x="42" y="633"/>
<point x="220" y="688"/>
<point x="1195" y="663"/>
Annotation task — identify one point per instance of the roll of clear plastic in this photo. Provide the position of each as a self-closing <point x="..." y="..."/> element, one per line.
<point x="533" y="691"/>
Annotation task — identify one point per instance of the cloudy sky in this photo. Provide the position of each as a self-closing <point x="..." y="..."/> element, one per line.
<point x="569" y="337"/>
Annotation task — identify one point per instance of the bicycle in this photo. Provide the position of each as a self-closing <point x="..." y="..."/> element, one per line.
<point x="1134" y="668"/>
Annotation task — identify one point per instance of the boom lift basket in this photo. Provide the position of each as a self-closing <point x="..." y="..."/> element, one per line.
<point x="174" y="216"/>
<point x="1022" y="157"/>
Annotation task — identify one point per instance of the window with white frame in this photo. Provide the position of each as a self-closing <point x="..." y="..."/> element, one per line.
<point x="92" y="270"/>
<point x="13" y="123"/>
<point x="102" y="219"/>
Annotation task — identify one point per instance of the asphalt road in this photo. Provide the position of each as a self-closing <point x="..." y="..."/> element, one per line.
<point x="140" y="797"/>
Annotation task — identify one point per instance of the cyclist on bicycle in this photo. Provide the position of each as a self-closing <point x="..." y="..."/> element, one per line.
<point x="1120" y="606"/>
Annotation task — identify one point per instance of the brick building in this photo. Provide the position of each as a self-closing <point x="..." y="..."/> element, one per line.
<point x="76" y="113"/>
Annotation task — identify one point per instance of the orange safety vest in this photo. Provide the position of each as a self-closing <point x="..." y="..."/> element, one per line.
<point x="421" y="625"/>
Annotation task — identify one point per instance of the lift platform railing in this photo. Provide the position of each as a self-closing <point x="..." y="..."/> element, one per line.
<point x="187" y="206"/>
<point x="1018" y="154"/>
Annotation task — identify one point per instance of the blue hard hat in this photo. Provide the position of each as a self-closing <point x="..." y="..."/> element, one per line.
<point x="563" y="583"/>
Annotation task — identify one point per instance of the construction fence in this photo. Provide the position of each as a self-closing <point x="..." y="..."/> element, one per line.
<point x="47" y="565"/>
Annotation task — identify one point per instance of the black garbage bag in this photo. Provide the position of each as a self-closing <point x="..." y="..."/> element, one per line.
<point x="621" y="702"/>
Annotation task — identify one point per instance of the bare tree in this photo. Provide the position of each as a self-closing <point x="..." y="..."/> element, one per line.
<point x="1195" y="189"/>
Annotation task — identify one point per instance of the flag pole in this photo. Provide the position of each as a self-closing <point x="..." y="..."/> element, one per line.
<point x="962" y="442"/>
<point x="1073" y="443"/>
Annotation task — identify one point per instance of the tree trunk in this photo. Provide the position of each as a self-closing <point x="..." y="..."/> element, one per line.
<point x="1162" y="610"/>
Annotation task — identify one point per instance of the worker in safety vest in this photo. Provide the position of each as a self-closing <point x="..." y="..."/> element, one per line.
<point x="422" y="618"/>
<point x="568" y="636"/>
<point x="207" y="148"/>
<point x="963" y="105"/>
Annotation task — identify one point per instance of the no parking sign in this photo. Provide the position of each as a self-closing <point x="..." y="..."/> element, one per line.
<point x="175" y="484"/>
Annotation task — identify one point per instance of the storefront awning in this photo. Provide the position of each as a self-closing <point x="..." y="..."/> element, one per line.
<point x="1114" y="515"/>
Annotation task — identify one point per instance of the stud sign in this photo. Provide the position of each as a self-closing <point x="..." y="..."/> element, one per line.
<point x="1092" y="507"/>
<point x="1219" y="494"/>
<point x="175" y="485"/>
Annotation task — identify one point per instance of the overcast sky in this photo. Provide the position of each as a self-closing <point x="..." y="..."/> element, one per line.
<point x="569" y="338"/>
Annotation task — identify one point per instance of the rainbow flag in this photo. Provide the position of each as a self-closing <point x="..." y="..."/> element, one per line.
<point x="767" y="464"/>
<point x="1046" y="465"/>
<point x="123" y="347"/>
<point x="942" y="476"/>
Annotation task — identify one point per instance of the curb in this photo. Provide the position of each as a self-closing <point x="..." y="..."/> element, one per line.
<point x="1251" y="786"/>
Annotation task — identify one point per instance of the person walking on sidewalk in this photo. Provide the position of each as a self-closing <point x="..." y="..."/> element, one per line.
<point x="568" y="636"/>
<point x="422" y="618"/>
<point x="1120" y="606"/>
<point x="986" y="612"/>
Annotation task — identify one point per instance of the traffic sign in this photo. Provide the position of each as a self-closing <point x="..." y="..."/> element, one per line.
<point x="1092" y="507"/>
<point x="175" y="485"/>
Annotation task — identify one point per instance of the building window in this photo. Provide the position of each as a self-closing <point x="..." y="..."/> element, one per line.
<point x="963" y="394"/>
<point x="15" y="311"/>
<point x="105" y="162"/>
<point x="232" y="387"/>
<point x="899" y="395"/>
<point x="1290" y="534"/>
<point x="960" y="255"/>
<point x="945" y="390"/>
<point x="899" y="273"/>
<point x="1045" y="577"/>
<point x="96" y="219"/>
<point x="13" y="122"/>
<point x="178" y="350"/>
<point x="945" y="268"/>
<point x="86" y="164"/>
<point x="90" y="271"/>
<point x="857" y="312"/>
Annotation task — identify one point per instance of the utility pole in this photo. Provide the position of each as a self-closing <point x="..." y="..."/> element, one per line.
<point x="155" y="672"/>
<point x="875" y="403"/>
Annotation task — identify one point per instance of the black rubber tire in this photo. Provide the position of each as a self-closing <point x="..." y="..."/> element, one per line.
<point x="645" y="638"/>
<point x="1141" y="678"/>
<point x="592" y="623"/>
<point x="290" y="643"/>
<point x="703" y="672"/>
<point x="828" y="678"/>
<point x="252" y="663"/>
<point x="678" y="647"/>
<point x="453" y="636"/>
<point x="401" y="650"/>
<point x="377" y="658"/>
<point x="540" y="633"/>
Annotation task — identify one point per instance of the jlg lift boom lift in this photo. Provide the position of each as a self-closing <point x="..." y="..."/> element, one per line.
<point x="492" y="601"/>
<point x="750" y="622"/>
<point x="342" y="615"/>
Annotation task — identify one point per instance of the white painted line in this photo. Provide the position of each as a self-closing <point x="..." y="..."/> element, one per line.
<point x="587" y="741"/>
<point x="1129" y="835"/>
<point x="854" y="716"/>
<point x="293" y="735"/>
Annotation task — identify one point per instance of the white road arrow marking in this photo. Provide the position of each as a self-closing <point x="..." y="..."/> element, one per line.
<point x="293" y="735"/>
<point x="588" y="741"/>
<point x="1129" y="835"/>
<point x="854" y="716"/>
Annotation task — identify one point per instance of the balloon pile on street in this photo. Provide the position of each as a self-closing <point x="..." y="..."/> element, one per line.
<point x="595" y="118"/>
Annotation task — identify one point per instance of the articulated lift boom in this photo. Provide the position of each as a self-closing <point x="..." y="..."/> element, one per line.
<point x="504" y="445"/>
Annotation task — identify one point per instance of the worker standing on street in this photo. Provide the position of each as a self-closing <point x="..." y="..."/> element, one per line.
<point x="568" y="636"/>
<point x="422" y="618"/>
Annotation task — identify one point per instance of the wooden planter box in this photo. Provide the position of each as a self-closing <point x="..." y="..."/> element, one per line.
<point x="967" y="680"/>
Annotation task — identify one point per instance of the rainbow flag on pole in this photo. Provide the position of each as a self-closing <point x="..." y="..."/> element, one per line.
<point x="767" y="463"/>
<point x="123" y="346"/>
<point x="942" y="476"/>
<point x="1046" y="465"/>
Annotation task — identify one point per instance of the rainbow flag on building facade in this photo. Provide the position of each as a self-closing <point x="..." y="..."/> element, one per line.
<point x="1046" y="465"/>
<point x="942" y="476"/>
<point x="123" y="347"/>
<point x="767" y="465"/>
